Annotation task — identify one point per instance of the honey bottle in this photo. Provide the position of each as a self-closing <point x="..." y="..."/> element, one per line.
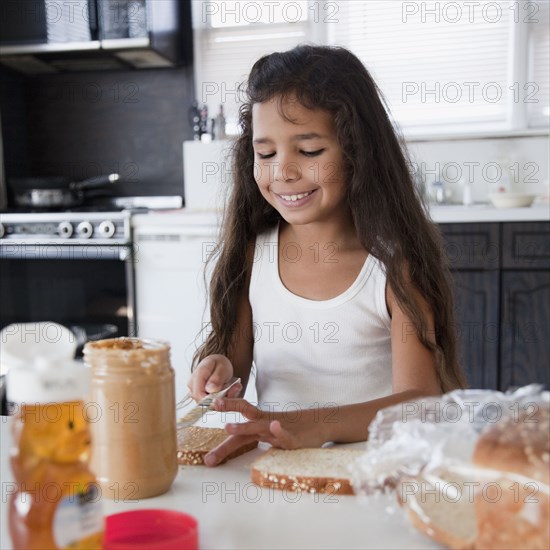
<point x="56" y="503"/>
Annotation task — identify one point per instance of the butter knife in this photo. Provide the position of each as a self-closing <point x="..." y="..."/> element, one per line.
<point x="203" y="406"/>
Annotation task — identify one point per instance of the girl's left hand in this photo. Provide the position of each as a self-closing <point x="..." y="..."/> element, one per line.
<point x="292" y="430"/>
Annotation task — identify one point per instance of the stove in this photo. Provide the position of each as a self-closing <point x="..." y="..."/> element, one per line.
<point x="74" y="267"/>
<point x="67" y="227"/>
<point x="100" y="222"/>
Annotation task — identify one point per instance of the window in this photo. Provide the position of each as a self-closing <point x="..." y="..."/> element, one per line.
<point x="443" y="66"/>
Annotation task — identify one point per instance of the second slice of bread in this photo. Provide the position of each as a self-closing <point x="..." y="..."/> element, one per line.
<point x="307" y="470"/>
<point x="195" y="442"/>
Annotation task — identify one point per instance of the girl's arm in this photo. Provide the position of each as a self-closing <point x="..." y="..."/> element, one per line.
<point x="413" y="364"/>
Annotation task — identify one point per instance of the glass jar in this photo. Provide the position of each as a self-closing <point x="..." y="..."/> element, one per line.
<point x="134" y="453"/>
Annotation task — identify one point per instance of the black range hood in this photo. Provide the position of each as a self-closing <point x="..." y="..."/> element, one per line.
<point x="41" y="36"/>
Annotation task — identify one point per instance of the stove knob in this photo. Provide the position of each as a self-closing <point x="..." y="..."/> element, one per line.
<point x="2" y="230"/>
<point x="84" y="230"/>
<point x="65" y="230"/>
<point x="106" y="229"/>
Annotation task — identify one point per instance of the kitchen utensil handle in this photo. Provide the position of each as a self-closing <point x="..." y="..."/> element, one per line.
<point x="91" y="183"/>
<point x="207" y="401"/>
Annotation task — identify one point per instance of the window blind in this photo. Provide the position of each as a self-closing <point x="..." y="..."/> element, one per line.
<point x="68" y="21"/>
<point x="435" y="62"/>
<point x="537" y="92"/>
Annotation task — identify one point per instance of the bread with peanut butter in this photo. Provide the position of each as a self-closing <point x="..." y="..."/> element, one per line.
<point x="306" y="470"/>
<point x="195" y="442"/>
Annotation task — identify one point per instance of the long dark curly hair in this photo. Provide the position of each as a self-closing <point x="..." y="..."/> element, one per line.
<point x="388" y="213"/>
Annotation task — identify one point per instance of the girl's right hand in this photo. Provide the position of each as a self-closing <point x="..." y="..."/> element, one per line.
<point x="212" y="374"/>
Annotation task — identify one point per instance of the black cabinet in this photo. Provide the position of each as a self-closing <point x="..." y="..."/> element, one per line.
<point x="526" y="246"/>
<point x="477" y="307"/>
<point x="525" y="324"/>
<point x="502" y="301"/>
<point x="41" y="36"/>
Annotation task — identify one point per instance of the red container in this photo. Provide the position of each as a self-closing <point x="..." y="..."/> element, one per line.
<point x="159" y="529"/>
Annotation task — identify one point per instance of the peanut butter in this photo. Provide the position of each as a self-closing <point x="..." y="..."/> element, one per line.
<point x="134" y="432"/>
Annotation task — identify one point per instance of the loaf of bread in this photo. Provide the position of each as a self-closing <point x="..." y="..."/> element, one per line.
<point x="501" y="501"/>
<point x="519" y="445"/>
<point x="307" y="470"/>
<point x="448" y="520"/>
<point x="195" y="442"/>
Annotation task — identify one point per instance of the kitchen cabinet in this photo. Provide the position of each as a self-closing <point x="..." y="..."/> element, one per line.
<point x="502" y="298"/>
<point x="525" y="344"/>
<point x="38" y="36"/>
<point x="477" y="307"/>
<point x="525" y="304"/>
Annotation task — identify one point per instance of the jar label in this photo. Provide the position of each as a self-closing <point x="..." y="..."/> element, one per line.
<point x="78" y="520"/>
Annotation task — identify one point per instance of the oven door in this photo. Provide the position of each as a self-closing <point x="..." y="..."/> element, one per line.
<point x="88" y="288"/>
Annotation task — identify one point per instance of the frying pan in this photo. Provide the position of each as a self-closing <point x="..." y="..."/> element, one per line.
<point x="54" y="192"/>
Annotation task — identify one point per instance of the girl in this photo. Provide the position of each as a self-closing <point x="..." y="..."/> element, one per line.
<point x="329" y="276"/>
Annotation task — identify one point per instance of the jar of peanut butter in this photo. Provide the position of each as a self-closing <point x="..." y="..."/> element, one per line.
<point x="134" y="430"/>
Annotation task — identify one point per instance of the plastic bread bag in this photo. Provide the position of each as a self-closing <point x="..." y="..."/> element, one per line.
<point x="471" y="468"/>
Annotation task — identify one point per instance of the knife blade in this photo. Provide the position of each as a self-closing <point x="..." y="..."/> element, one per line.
<point x="203" y="406"/>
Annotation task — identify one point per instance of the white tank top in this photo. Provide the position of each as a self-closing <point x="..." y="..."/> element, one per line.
<point x="310" y="353"/>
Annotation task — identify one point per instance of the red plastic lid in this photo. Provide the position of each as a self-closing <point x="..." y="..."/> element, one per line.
<point x="164" y="529"/>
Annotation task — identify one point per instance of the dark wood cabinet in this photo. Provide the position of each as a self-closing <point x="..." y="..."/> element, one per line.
<point x="472" y="245"/>
<point x="525" y="324"/>
<point x="477" y="307"/>
<point x="526" y="245"/>
<point x="502" y="301"/>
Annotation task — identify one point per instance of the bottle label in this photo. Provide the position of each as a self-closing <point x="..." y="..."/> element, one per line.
<point x="78" y="520"/>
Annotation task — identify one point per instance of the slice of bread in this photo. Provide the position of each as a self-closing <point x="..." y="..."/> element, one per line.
<point x="195" y="442"/>
<point x="307" y="470"/>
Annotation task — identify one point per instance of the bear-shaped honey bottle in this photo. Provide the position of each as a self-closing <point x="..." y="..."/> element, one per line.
<point x="56" y="502"/>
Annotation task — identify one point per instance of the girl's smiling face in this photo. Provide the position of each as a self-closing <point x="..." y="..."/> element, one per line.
<point x="298" y="161"/>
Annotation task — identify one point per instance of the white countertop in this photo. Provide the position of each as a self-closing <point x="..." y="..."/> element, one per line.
<point x="234" y="513"/>
<point x="440" y="214"/>
<point x="182" y="216"/>
<point x="487" y="213"/>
